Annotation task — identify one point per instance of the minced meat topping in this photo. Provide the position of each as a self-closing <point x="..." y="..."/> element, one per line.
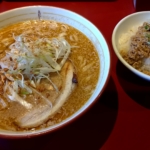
<point x="139" y="48"/>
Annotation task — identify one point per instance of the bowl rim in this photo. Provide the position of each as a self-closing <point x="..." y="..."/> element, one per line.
<point x="138" y="73"/>
<point x="39" y="132"/>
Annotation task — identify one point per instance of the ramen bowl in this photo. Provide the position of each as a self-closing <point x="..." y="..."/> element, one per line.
<point x="88" y="29"/>
<point x="122" y="32"/>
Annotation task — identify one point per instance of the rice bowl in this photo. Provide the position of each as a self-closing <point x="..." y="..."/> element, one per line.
<point x="123" y="32"/>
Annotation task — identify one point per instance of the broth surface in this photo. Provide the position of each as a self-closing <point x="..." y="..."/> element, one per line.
<point x="83" y="56"/>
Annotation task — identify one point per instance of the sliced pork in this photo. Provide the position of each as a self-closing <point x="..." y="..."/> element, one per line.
<point x="41" y="113"/>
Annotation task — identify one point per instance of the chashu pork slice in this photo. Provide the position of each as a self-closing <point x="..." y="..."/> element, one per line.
<point x="38" y="115"/>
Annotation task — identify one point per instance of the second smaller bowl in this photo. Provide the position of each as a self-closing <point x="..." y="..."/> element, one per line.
<point x="124" y="26"/>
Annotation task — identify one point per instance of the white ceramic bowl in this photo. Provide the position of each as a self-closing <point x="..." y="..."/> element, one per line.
<point x="82" y="24"/>
<point x="123" y="26"/>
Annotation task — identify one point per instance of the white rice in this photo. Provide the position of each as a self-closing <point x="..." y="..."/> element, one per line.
<point x="124" y="40"/>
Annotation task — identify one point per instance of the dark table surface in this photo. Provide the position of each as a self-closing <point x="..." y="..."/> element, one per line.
<point x="120" y="120"/>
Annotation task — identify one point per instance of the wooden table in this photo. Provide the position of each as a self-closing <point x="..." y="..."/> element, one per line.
<point x="120" y="120"/>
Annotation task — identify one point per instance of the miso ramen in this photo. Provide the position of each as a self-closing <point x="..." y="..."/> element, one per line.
<point x="48" y="70"/>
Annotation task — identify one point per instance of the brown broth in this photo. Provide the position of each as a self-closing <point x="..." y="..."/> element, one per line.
<point x="83" y="55"/>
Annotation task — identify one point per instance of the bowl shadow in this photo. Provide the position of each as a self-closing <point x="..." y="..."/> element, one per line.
<point x="134" y="86"/>
<point x="89" y="132"/>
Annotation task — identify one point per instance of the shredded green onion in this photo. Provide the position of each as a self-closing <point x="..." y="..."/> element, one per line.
<point x="33" y="60"/>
